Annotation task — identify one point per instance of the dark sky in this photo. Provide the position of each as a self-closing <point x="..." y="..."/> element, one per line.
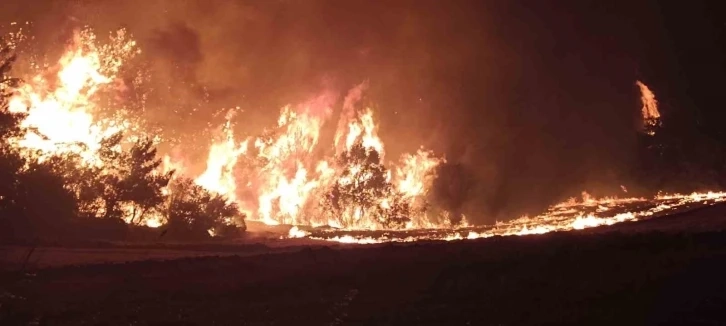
<point x="695" y="46"/>
<point x="536" y="97"/>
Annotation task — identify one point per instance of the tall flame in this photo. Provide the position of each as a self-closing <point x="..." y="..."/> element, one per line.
<point x="60" y="106"/>
<point x="649" y="111"/>
<point x="61" y="103"/>
<point x="223" y="154"/>
<point x="287" y="182"/>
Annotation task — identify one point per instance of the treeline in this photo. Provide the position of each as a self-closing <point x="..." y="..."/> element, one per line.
<point x="108" y="196"/>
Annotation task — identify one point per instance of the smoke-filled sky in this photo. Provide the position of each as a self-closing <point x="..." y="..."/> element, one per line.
<point x="536" y="98"/>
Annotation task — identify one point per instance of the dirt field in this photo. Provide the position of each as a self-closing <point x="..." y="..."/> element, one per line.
<point x="626" y="275"/>
<point x="15" y="258"/>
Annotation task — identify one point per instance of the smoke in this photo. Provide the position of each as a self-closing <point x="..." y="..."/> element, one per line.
<point x="348" y="113"/>
<point x="530" y="103"/>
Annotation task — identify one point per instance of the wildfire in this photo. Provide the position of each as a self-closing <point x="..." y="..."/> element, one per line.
<point x="283" y="176"/>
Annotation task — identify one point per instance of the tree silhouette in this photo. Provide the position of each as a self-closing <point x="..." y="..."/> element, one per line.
<point x="193" y="211"/>
<point x="362" y="184"/>
<point x="142" y="186"/>
<point x="9" y="121"/>
<point x="43" y="199"/>
<point x="126" y="184"/>
<point x="11" y="162"/>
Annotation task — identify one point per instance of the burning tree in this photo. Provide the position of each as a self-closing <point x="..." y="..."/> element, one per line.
<point x="72" y="113"/>
<point x="650" y="121"/>
<point x="120" y="184"/>
<point x="675" y="154"/>
<point x="9" y="121"/>
<point x="363" y="190"/>
<point x="52" y="184"/>
<point x="134" y="179"/>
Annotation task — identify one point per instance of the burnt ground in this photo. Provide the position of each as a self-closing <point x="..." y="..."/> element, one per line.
<point x="669" y="270"/>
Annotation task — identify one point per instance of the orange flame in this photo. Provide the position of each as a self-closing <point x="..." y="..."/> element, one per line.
<point x="223" y="156"/>
<point x="649" y="111"/>
<point x="570" y="215"/>
<point x="60" y="107"/>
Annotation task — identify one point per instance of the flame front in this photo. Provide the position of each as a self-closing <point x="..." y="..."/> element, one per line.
<point x="284" y="179"/>
<point x="570" y="215"/>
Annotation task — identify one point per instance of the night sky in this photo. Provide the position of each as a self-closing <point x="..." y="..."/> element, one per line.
<point x="537" y="98"/>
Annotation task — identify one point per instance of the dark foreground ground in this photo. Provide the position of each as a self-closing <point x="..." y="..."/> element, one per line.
<point x="629" y="275"/>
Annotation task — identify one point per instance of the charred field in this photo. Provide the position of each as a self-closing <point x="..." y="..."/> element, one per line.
<point x="664" y="270"/>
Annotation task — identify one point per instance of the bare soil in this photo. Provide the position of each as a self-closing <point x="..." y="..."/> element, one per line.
<point x="670" y="270"/>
